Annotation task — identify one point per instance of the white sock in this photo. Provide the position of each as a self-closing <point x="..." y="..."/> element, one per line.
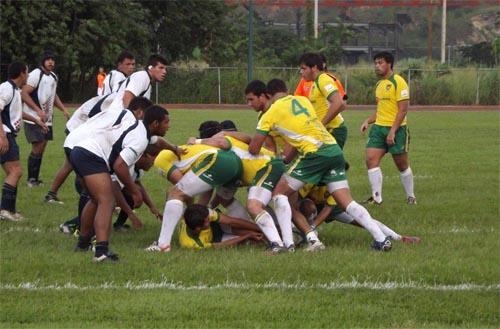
<point x="407" y="181"/>
<point x="375" y="177"/>
<point x="236" y="209"/>
<point x="171" y="214"/>
<point x="266" y="224"/>
<point x="284" y="214"/>
<point x="344" y="218"/>
<point x="312" y="236"/>
<point x="387" y="231"/>
<point x="361" y="215"/>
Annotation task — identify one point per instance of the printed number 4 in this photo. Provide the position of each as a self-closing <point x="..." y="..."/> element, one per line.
<point x="298" y="109"/>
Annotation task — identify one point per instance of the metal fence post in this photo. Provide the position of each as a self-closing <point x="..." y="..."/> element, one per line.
<point x="218" y="83"/>
<point x="409" y="84"/>
<point x="156" y="92"/>
<point x="477" y="86"/>
<point x="345" y="80"/>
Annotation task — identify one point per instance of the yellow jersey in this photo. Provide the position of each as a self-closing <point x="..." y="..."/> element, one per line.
<point x="204" y="239"/>
<point x="388" y="93"/>
<point x="318" y="194"/>
<point x="294" y="119"/>
<point x="167" y="161"/>
<point x="324" y="86"/>
<point x="251" y="163"/>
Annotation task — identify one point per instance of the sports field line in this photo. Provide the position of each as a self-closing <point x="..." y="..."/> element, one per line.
<point x="170" y="285"/>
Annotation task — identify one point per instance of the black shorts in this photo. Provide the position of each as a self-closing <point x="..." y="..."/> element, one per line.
<point x="35" y="134"/>
<point x="86" y="163"/>
<point x="13" y="152"/>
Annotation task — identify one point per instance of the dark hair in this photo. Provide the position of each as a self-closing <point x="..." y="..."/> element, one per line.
<point x="256" y="87"/>
<point x="15" y="69"/>
<point x="228" y="125"/>
<point x="139" y="103"/>
<point x="195" y="215"/>
<point x="47" y="55"/>
<point x="154" y="113"/>
<point x="311" y="59"/>
<point x="323" y="59"/>
<point x="209" y="128"/>
<point x="155" y="59"/>
<point x="387" y="56"/>
<point x="276" y="86"/>
<point x="123" y="56"/>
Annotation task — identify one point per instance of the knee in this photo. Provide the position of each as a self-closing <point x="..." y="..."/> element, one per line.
<point x="254" y="208"/>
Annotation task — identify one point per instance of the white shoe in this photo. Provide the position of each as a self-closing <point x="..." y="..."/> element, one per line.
<point x="315" y="245"/>
<point x="13" y="217"/>
<point x="155" y="247"/>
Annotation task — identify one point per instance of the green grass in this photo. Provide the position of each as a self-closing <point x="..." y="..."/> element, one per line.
<point x="451" y="280"/>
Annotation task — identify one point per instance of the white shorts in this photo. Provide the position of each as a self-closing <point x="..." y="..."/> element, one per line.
<point x="192" y="185"/>
<point x="260" y="194"/>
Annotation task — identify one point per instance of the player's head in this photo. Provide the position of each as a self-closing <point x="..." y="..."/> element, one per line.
<point x="209" y="128"/>
<point x="18" y="70"/>
<point x="384" y="62"/>
<point x="196" y="217"/>
<point x="308" y="208"/>
<point x="256" y="96"/>
<point x="48" y="60"/>
<point x="138" y="106"/>
<point x="228" y="125"/>
<point x="157" y="67"/>
<point x="310" y="65"/>
<point x="276" y="86"/>
<point x="323" y="60"/>
<point x="146" y="161"/>
<point x="125" y="63"/>
<point x="156" y="120"/>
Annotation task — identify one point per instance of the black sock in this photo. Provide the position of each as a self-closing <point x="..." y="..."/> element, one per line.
<point x="122" y="216"/>
<point x="75" y="221"/>
<point x="101" y="248"/>
<point x="52" y="194"/>
<point x="84" y="241"/>
<point x="9" y="196"/>
<point x="34" y="164"/>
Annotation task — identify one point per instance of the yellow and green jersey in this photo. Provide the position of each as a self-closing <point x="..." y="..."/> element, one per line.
<point x="324" y="86"/>
<point x="251" y="163"/>
<point x="205" y="239"/>
<point x="167" y="161"/>
<point x="294" y="119"/>
<point x="388" y="93"/>
<point x="318" y="194"/>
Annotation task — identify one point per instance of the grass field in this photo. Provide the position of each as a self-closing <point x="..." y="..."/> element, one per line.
<point x="450" y="280"/>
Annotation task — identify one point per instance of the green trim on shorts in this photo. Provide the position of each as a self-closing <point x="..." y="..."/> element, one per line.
<point x="262" y="132"/>
<point x="268" y="176"/>
<point x="377" y="139"/>
<point x="221" y="168"/>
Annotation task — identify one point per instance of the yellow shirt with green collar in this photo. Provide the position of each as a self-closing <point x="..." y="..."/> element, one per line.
<point x="324" y="86"/>
<point x="204" y="239"/>
<point x="167" y="161"/>
<point x="318" y="194"/>
<point x="251" y="163"/>
<point x="388" y="93"/>
<point x="294" y="119"/>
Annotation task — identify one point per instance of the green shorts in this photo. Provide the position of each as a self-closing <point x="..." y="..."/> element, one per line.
<point x="340" y="134"/>
<point x="221" y="168"/>
<point x="378" y="135"/>
<point x="324" y="166"/>
<point x="269" y="176"/>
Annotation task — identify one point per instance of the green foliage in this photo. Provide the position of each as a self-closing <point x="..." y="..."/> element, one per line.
<point x="483" y="53"/>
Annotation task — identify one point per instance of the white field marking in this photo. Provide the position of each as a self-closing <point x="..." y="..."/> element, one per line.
<point x="415" y="177"/>
<point x="16" y="229"/>
<point x="170" y="285"/>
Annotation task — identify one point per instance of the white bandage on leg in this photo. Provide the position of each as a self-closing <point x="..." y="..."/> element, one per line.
<point x="406" y="178"/>
<point x="334" y="186"/>
<point x="192" y="185"/>
<point x="171" y="215"/>
<point x="294" y="183"/>
<point x="284" y="213"/>
<point x="375" y="177"/>
<point x="260" y="194"/>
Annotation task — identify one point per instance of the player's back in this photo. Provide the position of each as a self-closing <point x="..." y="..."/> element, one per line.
<point x="167" y="161"/>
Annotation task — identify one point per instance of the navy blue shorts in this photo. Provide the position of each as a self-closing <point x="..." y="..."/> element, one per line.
<point x="13" y="152"/>
<point x="35" y="134"/>
<point x="86" y="163"/>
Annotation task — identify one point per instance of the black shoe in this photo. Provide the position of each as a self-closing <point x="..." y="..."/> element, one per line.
<point x="108" y="256"/>
<point x="370" y="200"/>
<point x="385" y="245"/>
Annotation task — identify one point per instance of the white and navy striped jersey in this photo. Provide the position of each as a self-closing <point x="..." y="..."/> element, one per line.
<point x="88" y="109"/>
<point x="11" y="109"/>
<point x="110" y="134"/>
<point x="44" y="94"/>
<point x="139" y="84"/>
<point x="113" y="81"/>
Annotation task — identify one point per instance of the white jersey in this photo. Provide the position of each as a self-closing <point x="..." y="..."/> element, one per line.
<point x="139" y="84"/>
<point x="113" y="81"/>
<point x="88" y="109"/>
<point x="44" y="94"/>
<point x="11" y="108"/>
<point x="110" y="134"/>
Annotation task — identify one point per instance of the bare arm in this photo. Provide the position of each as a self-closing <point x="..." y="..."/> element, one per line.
<point x="60" y="105"/>
<point x="400" y="116"/>
<point x="241" y="136"/>
<point x="38" y="121"/>
<point x="148" y="201"/>
<point x="256" y="143"/>
<point x="4" y="143"/>
<point x="238" y="240"/>
<point x="323" y="215"/>
<point x="219" y="142"/>
<point x="336" y="106"/>
<point x="127" y="98"/>
<point x="121" y="169"/>
<point x="368" y="121"/>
